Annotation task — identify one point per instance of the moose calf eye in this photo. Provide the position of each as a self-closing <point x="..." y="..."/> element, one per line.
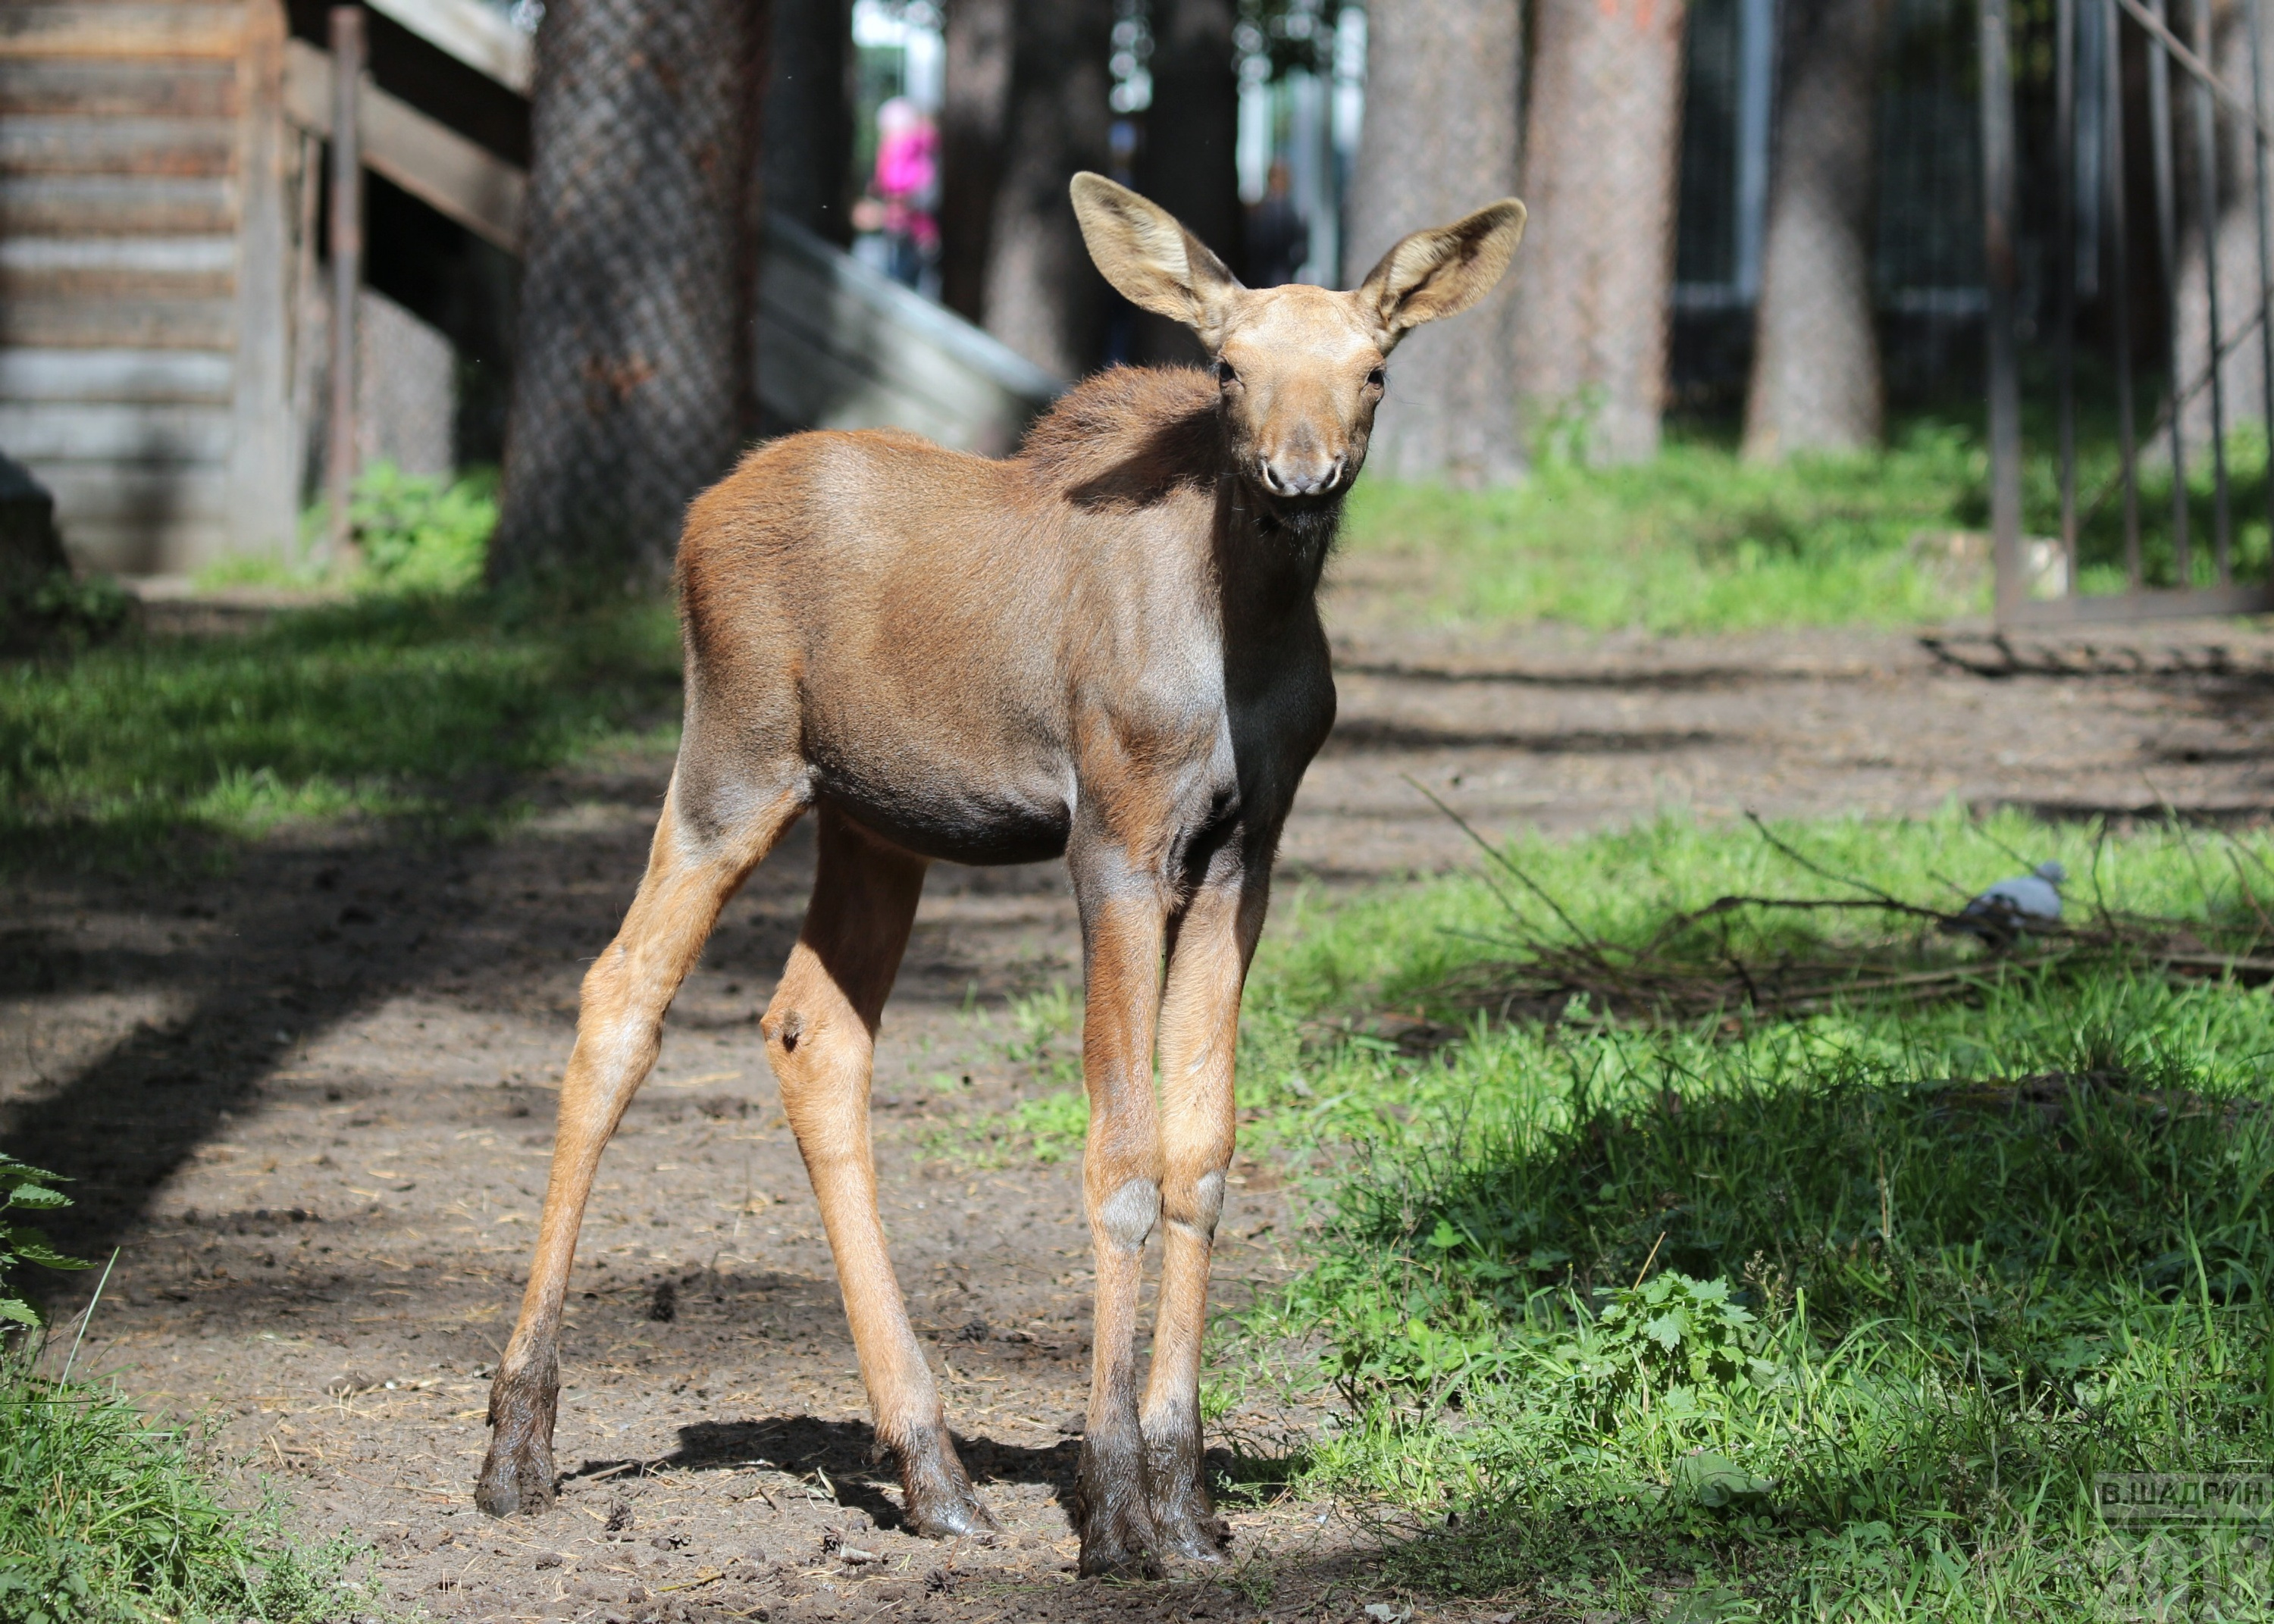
<point x="1376" y="379"/>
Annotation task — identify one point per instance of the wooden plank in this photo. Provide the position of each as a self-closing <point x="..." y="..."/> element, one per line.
<point x="111" y="268"/>
<point x="112" y="89"/>
<point x="476" y="34"/>
<point x="428" y="160"/>
<point x="117" y="145"/>
<point x="127" y="30"/>
<point x="135" y="496"/>
<point x="142" y="546"/>
<point x="137" y="522"/>
<point x="116" y="435"/>
<point x="149" y="376"/>
<point x="119" y="324"/>
<point x="114" y="205"/>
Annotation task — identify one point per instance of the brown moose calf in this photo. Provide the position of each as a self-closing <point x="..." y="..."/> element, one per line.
<point x="1106" y="646"/>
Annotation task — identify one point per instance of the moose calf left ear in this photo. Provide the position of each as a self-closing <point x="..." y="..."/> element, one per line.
<point x="1440" y="272"/>
<point x="1150" y="258"/>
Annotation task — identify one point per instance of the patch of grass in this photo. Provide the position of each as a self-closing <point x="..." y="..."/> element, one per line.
<point x="1044" y="1042"/>
<point x="106" y="1516"/>
<point x="1696" y="541"/>
<point x="1793" y="1319"/>
<point x="424" y="709"/>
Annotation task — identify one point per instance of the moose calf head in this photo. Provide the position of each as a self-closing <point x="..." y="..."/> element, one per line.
<point x="1301" y="368"/>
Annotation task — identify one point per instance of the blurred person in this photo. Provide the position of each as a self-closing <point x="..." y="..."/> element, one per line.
<point x="904" y="198"/>
<point x="1278" y="237"/>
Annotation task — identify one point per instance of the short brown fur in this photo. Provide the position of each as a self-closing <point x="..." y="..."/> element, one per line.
<point x="1107" y="647"/>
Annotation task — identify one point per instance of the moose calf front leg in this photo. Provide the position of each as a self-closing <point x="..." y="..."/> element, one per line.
<point x="1199" y="1030"/>
<point x="1121" y="1184"/>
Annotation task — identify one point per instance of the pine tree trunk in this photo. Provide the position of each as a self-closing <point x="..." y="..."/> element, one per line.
<point x="1596" y="275"/>
<point x="1190" y="133"/>
<point x="634" y="381"/>
<point x="1045" y="298"/>
<point x="2242" y="372"/>
<point x="978" y="99"/>
<point x="1439" y="141"/>
<point x="808" y="116"/>
<point x="1816" y="383"/>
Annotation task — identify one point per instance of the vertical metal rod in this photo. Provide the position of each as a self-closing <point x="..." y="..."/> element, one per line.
<point x="2127" y="447"/>
<point x="2265" y="245"/>
<point x="1998" y="212"/>
<point x="2065" y="268"/>
<point x="2167" y="250"/>
<point x="2207" y="185"/>
<point x="347" y="26"/>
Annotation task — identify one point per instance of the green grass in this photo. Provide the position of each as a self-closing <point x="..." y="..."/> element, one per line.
<point x="1696" y="541"/>
<point x="419" y="709"/>
<point x="1699" y="541"/>
<point x="105" y="1516"/>
<point x="1809" y="1319"/>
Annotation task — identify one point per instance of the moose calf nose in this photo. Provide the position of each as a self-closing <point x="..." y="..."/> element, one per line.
<point x="1303" y="476"/>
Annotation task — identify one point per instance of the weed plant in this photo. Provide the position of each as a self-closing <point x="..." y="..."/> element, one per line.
<point x="106" y="1516"/>
<point x="1793" y="1319"/>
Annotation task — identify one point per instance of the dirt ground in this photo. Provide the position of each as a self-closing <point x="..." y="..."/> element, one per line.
<point x="310" y="1103"/>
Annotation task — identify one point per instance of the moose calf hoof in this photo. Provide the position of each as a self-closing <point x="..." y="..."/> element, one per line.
<point x="1191" y="1529"/>
<point x="518" y="1472"/>
<point x="1118" y="1538"/>
<point x="515" y="1478"/>
<point x="937" y="1498"/>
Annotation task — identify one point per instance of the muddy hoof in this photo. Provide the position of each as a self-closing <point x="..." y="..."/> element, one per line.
<point x="515" y="1479"/>
<point x="1119" y="1538"/>
<point x="937" y="1498"/>
<point x="1194" y="1532"/>
<point x="518" y="1473"/>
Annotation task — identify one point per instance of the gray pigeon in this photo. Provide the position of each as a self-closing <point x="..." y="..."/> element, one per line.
<point x="2010" y="907"/>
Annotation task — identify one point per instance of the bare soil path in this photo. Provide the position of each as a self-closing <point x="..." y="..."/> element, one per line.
<point x="310" y="1100"/>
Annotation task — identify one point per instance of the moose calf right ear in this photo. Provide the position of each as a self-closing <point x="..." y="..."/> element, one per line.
<point x="1440" y="273"/>
<point x="1151" y="260"/>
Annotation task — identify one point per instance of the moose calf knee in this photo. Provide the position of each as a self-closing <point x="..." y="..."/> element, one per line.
<point x="1126" y="1217"/>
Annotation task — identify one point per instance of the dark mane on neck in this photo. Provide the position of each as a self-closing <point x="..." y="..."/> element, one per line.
<point x="1128" y="436"/>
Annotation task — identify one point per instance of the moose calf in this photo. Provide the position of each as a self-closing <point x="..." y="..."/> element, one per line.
<point x="1106" y="646"/>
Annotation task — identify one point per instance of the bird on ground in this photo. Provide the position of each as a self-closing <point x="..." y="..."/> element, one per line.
<point x="2011" y="907"/>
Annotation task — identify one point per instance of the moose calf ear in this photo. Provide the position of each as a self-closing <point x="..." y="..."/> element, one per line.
<point x="1441" y="272"/>
<point x="1155" y="263"/>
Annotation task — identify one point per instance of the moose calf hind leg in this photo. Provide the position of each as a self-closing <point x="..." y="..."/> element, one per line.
<point x="820" y="1034"/>
<point x="619" y="1031"/>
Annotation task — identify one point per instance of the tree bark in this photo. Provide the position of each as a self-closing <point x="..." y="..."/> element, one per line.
<point x="635" y="381"/>
<point x="1439" y="141"/>
<point x="2242" y="373"/>
<point x="1191" y="131"/>
<point x="808" y="116"/>
<point x="1043" y="297"/>
<point x="1816" y="383"/>
<point x="978" y="100"/>
<point x="1596" y="275"/>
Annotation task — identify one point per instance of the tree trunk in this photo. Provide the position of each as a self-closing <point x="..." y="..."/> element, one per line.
<point x="1439" y="141"/>
<point x="808" y="116"/>
<point x="1190" y="133"/>
<point x="635" y="381"/>
<point x="1045" y="298"/>
<point x="978" y="99"/>
<point x="1596" y="275"/>
<point x="1816" y="383"/>
<point x="2242" y="373"/>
